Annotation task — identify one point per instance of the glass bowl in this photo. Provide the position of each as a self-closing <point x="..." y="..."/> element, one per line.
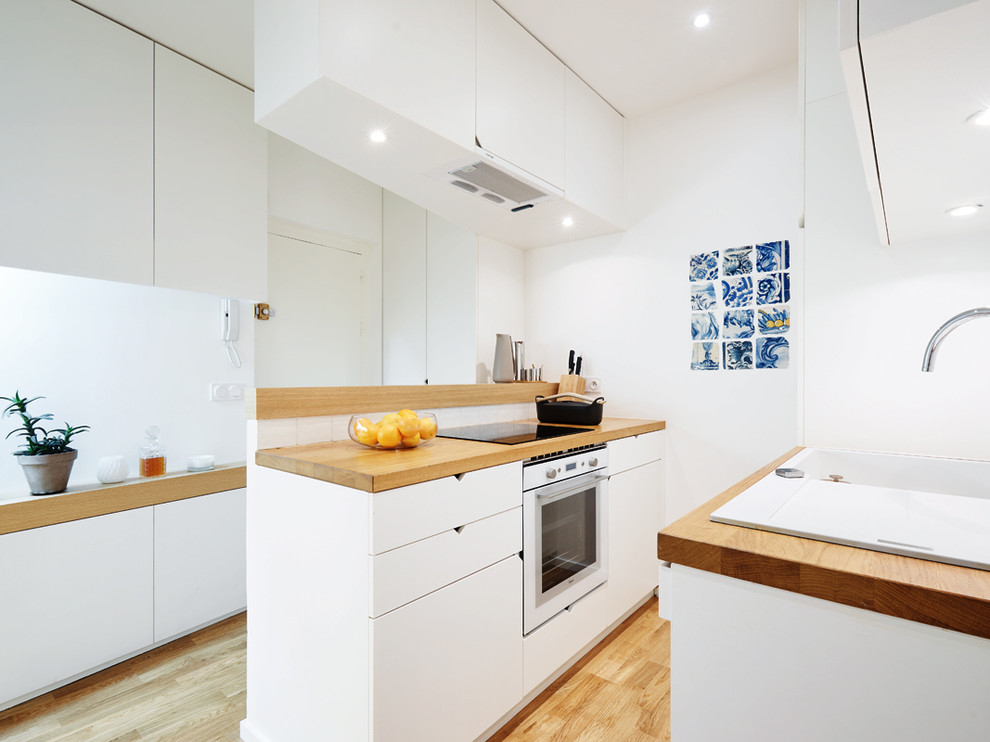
<point x="402" y="429"/>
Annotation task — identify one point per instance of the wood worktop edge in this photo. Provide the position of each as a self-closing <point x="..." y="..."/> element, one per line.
<point x="311" y="460"/>
<point x="941" y="595"/>
<point x="94" y="500"/>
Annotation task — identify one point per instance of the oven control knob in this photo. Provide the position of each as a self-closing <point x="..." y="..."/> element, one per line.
<point x="593" y="462"/>
<point x="551" y="473"/>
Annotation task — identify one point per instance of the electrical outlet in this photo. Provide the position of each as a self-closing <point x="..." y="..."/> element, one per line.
<point x="592" y="384"/>
<point x="226" y="392"/>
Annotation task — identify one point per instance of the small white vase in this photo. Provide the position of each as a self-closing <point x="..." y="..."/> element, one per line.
<point x="111" y="469"/>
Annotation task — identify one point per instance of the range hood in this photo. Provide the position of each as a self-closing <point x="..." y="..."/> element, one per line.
<point x="496" y="181"/>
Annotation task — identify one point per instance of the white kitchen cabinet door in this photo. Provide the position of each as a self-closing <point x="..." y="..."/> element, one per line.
<point x="449" y="665"/>
<point x="200" y="553"/>
<point x="211" y="197"/>
<point x="635" y="516"/>
<point x="76" y="143"/>
<point x="451" y="302"/>
<point x="414" y="58"/>
<point x="520" y="105"/>
<point x="75" y="596"/>
<point x="594" y="138"/>
<point x="403" y="291"/>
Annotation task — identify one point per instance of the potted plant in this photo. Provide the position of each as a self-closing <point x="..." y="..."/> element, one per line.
<point x="47" y="457"/>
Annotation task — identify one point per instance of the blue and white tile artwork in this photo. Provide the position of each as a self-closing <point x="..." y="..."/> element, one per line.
<point x="704" y="266"/>
<point x="737" y="261"/>
<point x="738" y="354"/>
<point x="705" y="357"/>
<point x="773" y="256"/>
<point x="775" y="320"/>
<point x="770" y="288"/>
<point x="702" y="296"/>
<point x="738" y="323"/>
<point x="772" y="353"/>
<point x="704" y="326"/>
<point x="737" y="291"/>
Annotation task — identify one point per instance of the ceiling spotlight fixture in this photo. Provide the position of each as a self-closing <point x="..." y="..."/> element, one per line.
<point x="964" y="210"/>
<point x="980" y="118"/>
<point x="567" y="221"/>
<point x="378" y="136"/>
<point x="702" y="19"/>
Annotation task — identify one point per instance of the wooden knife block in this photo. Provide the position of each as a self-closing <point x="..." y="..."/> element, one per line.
<point x="570" y="384"/>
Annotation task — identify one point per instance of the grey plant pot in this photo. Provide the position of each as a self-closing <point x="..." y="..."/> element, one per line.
<point x="48" y="473"/>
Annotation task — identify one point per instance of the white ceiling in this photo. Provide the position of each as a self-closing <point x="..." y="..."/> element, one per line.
<point x="639" y="55"/>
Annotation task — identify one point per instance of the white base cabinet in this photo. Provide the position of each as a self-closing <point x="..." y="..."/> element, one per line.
<point x="199" y="561"/>
<point x="75" y="596"/>
<point x="81" y="595"/>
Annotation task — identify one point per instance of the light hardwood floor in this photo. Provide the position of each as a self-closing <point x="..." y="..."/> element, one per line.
<point x="192" y="690"/>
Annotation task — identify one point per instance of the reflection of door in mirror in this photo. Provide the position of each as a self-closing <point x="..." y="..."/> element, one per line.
<point x="318" y="291"/>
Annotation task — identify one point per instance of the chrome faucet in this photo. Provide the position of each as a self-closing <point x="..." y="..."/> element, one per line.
<point x="951" y="324"/>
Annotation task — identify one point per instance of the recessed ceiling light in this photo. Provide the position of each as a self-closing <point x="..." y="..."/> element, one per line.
<point x="980" y="118"/>
<point x="567" y="221"/>
<point x="702" y="19"/>
<point x="378" y="136"/>
<point x="964" y="210"/>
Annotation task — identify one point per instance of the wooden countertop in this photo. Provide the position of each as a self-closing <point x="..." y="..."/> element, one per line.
<point x="371" y="470"/>
<point x="90" y="500"/>
<point x="943" y="595"/>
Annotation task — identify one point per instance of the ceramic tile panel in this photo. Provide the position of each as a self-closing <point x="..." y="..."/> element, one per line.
<point x="704" y="266"/>
<point x="703" y="296"/>
<point x="774" y="320"/>
<point x="772" y="352"/>
<point x="449" y="417"/>
<point x="277" y="433"/>
<point x="738" y="323"/>
<point x="341" y="424"/>
<point x="704" y="326"/>
<point x="705" y="357"/>
<point x="738" y="354"/>
<point x="738" y="293"/>
<point x="773" y="256"/>
<point x="737" y="261"/>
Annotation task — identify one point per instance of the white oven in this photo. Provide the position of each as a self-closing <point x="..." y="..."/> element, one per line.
<point x="565" y="530"/>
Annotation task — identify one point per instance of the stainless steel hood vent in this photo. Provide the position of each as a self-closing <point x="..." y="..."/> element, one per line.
<point x="499" y="182"/>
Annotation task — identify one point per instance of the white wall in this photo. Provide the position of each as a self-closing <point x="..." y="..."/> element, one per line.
<point x="120" y="358"/>
<point x="718" y="171"/>
<point x="501" y="276"/>
<point x="872" y="308"/>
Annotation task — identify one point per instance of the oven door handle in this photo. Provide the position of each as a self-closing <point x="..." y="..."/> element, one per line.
<point x="570" y="487"/>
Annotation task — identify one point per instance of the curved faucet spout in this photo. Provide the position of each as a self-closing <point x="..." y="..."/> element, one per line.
<point x="951" y="324"/>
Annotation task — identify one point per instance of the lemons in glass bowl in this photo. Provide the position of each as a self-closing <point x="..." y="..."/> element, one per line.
<point x="402" y="429"/>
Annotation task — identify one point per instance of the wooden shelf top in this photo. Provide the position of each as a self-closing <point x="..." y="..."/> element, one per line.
<point x="943" y="595"/>
<point x="90" y="500"/>
<point x="371" y="470"/>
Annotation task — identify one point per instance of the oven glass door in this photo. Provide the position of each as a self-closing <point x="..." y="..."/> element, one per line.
<point x="564" y="545"/>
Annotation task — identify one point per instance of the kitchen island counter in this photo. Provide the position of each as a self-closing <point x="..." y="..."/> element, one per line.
<point x="372" y="470"/>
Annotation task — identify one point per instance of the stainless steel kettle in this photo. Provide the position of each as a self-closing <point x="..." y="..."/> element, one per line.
<point x="504" y="366"/>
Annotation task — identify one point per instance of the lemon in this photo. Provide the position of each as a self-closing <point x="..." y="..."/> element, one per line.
<point x="409" y="426"/>
<point x="411" y="441"/>
<point x="390" y="419"/>
<point x="389" y="436"/>
<point x="427" y="428"/>
<point x="406" y="413"/>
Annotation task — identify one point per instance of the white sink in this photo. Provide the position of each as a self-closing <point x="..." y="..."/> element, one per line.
<point x="931" y="508"/>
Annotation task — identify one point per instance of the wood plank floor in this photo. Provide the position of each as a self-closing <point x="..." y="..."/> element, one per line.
<point x="193" y="690"/>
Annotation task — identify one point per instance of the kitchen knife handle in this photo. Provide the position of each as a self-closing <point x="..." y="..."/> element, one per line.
<point x="570" y="363"/>
<point x="577" y="368"/>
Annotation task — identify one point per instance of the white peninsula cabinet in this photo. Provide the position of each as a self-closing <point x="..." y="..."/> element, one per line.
<point x="383" y="616"/>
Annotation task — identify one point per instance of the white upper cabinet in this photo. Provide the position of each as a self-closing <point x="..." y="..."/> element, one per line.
<point x="916" y="71"/>
<point x="594" y="138"/>
<point x="75" y="143"/>
<point x="211" y="208"/>
<point x="520" y="96"/>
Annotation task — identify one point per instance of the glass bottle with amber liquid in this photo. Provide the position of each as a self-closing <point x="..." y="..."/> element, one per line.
<point x="151" y="459"/>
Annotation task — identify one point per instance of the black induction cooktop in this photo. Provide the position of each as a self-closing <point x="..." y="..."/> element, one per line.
<point x="508" y="433"/>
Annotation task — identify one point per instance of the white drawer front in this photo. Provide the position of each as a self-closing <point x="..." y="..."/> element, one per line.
<point x="628" y="453"/>
<point x="408" y="514"/>
<point x="405" y="574"/>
